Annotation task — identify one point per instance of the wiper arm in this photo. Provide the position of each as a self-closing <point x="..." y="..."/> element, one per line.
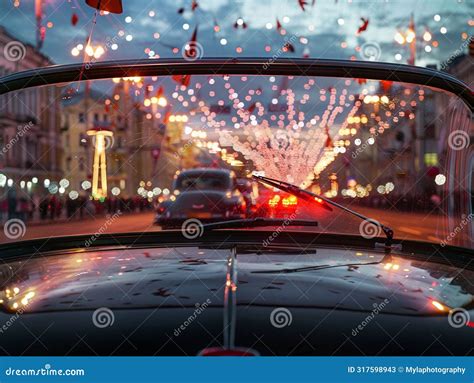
<point x="258" y="222"/>
<point x="324" y="202"/>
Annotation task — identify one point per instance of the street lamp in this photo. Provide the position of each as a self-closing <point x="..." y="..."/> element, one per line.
<point x="99" y="167"/>
<point x="410" y="37"/>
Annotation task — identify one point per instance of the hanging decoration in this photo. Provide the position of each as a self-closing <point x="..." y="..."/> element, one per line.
<point x="302" y="4"/>
<point x="40" y="29"/>
<point x="112" y="6"/>
<point x="363" y="27"/>
<point x="74" y="19"/>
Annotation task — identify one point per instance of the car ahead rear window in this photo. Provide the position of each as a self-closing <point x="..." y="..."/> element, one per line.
<point x="203" y="181"/>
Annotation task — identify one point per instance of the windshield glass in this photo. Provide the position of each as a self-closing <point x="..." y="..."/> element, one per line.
<point x="150" y="153"/>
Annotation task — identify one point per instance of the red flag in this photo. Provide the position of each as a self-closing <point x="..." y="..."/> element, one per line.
<point x="302" y="4"/>
<point x="363" y="27"/>
<point x="386" y="85"/>
<point x="160" y="91"/>
<point x="278" y="25"/>
<point x="329" y="143"/>
<point x="182" y="79"/>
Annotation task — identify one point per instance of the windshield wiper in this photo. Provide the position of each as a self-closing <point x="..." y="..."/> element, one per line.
<point x="259" y="222"/>
<point x="324" y="202"/>
<point x="386" y="259"/>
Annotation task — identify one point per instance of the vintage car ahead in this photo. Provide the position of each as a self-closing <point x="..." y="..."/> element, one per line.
<point x="207" y="194"/>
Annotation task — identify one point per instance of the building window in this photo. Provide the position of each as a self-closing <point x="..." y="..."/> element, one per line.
<point x="82" y="118"/>
<point x="82" y="139"/>
<point x="431" y="159"/>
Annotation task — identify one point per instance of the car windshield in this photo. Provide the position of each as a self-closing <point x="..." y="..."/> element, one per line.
<point x="149" y="153"/>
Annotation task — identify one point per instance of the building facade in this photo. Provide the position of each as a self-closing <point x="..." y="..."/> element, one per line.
<point x="30" y="148"/>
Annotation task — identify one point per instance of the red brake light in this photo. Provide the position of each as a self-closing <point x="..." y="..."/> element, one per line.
<point x="273" y="202"/>
<point x="289" y="201"/>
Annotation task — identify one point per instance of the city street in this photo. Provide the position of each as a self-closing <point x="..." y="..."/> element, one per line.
<point x="425" y="229"/>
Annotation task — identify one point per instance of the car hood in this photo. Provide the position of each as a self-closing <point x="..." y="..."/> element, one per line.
<point x="188" y="276"/>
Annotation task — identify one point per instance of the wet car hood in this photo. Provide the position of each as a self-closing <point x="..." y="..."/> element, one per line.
<point x="188" y="276"/>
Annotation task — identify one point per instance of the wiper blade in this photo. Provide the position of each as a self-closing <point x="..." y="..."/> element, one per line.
<point x="311" y="268"/>
<point x="324" y="202"/>
<point x="259" y="222"/>
<point x="385" y="259"/>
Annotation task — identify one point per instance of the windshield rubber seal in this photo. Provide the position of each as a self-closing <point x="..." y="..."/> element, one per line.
<point x="370" y="70"/>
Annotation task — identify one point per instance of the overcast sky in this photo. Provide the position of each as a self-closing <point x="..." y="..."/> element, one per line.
<point x="326" y="28"/>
